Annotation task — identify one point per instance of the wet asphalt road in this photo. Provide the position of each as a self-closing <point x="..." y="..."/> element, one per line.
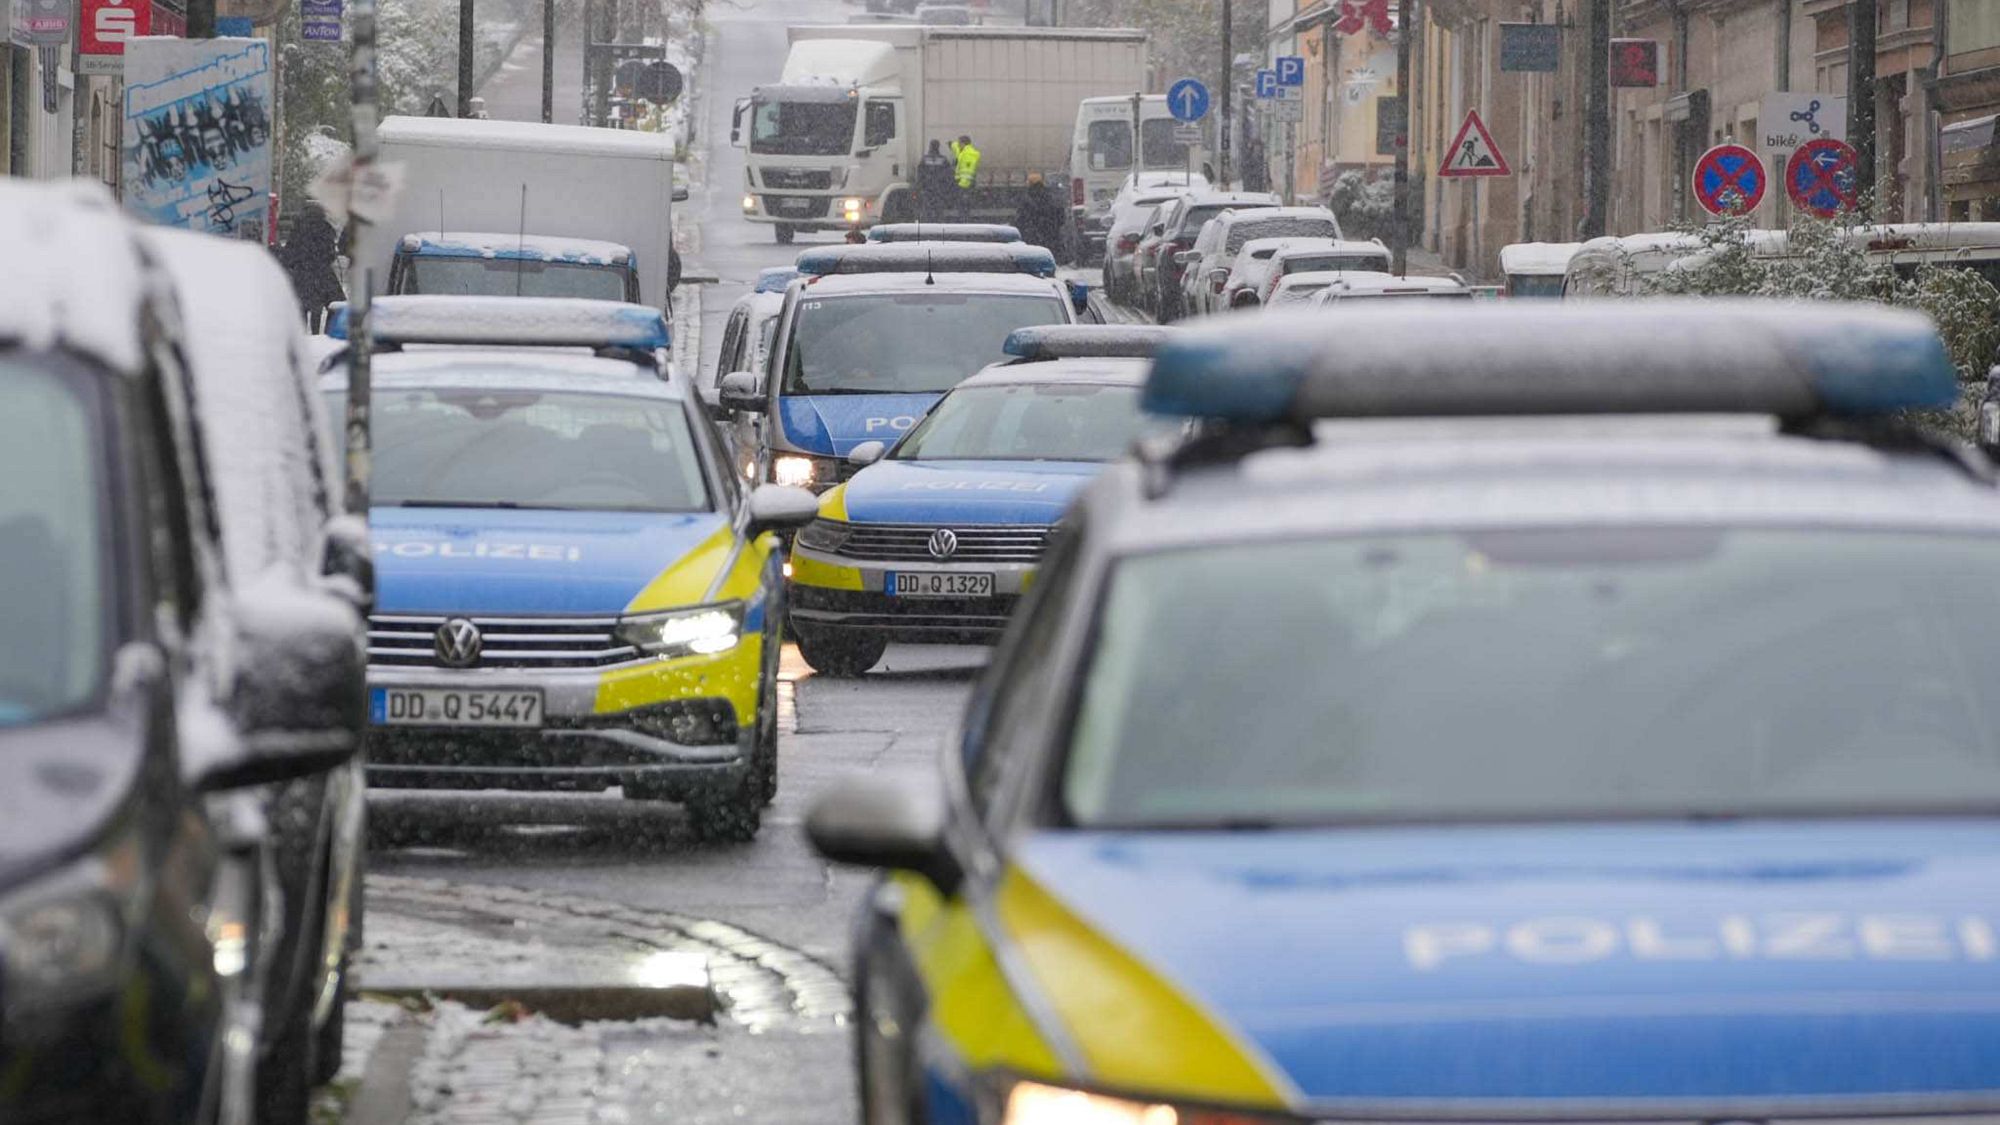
<point x="642" y="856"/>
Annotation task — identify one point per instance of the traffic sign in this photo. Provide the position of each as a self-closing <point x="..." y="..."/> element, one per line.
<point x="1291" y="70"/>
<point x="1290" y="104"/>
<point x="1267" y="83"/>
<point x="1729" y="180"/>
<point x="1187" y="100"/>
<point x="1821" y="177"/>
<point x="1472" y="152"/>
<point x="1187" y="134"/>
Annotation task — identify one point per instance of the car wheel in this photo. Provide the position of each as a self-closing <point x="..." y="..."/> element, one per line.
<point x="786" y="233"/>
<point x="730" y="815"/>
<point x="841" y="655"/>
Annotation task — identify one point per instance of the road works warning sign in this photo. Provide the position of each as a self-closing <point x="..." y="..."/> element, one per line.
<point x="1472" y="152"/>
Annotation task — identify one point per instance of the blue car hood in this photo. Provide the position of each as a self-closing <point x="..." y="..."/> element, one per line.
<point x="1033" y="492"/>
<point x="831" y="425"/>
<point x="480" y="561"/>
<point x="1752" y="960"/>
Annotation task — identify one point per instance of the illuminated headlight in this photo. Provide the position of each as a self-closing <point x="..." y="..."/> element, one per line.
<point x="797" y="472"/>
<point x="852" y="207"/>
<point x="825" y="535"/>
<point x="750" y="203"/>
<point x="702" y="631"/>
<point x="1031" y="1103"/>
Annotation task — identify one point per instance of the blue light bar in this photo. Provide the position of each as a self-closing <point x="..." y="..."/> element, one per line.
<point x="944" y="232"/>
<point x="1459" y="359"/>
<point x="1086" y="341"/>
<point x="775" y="279"/>
<point x="515" y="322"/>
<point x="928" y="257"/>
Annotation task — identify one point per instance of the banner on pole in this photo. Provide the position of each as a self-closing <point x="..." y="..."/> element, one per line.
<point x="319" y="21"/>
<point x="196" y="136"/>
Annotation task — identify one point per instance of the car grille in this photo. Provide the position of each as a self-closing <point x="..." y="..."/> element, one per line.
<point x="399" y="641"/>
<point x="912" y="543"/>
<point x="798" y="179"/>
<point x="797" y="206"/>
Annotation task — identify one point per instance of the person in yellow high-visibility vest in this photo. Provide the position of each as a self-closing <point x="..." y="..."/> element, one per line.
<point x="967" y="171"/>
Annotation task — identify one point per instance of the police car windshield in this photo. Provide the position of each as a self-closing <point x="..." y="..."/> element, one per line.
<point x="904" y="343"/>
<point x="1028" y="422"/>
<point x="501" y="277"/>
<point x="52" y="582"/>
<point x="1558" y="673"/>
<point x="478" y="448"/>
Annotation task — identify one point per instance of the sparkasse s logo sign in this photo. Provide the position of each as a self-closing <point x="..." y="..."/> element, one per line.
<point x="107" y="24"/>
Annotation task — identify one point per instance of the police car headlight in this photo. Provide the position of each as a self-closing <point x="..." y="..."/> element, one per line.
<point x="702" y="631"/>
<point x="1036" y="1103"/>
<point x="825" y="535"/>
<point x="797" y="472"/>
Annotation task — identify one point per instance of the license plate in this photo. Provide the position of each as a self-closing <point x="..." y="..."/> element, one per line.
<point x="937" y="584"/>
<point x="455" y="707"/>
<point x="793" y="205"/>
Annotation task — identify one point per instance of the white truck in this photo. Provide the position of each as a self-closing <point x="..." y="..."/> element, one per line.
<point x="1101" y="153"/>
<point x="475" y="182"/>
<point x="834" y="143"/>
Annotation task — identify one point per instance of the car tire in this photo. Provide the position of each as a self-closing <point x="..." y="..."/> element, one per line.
<point x="786" y="233"/>
<point x="730" y="815"/>
<point x="840" y="655"/>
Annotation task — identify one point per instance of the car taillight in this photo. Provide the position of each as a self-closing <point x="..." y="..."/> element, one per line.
<point x="1217" y="285"/>
<point x="1126" y="242"/>
<point x="1076" y="198"/>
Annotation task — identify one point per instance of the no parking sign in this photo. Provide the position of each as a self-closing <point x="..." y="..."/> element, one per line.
<point x="1822" y="177"/>
<point x="1729" y="180"/>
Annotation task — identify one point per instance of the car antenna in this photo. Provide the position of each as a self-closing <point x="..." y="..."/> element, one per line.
<point x="930" y="269"/>
<point x="521" y="243"/>
<point x="441" y="231"/>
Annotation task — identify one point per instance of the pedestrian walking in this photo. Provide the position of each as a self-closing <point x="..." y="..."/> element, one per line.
<point x="966" y="158"/>
<point x="934" y="185"/>
<point x="1040" y="216"/>
<point x="308" y="258"/>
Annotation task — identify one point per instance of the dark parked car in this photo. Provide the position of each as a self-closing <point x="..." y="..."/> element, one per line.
<point x="145" y="699"/>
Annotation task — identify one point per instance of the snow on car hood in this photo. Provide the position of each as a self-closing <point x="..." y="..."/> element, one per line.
<point x="831" y="425"/>
<point x="1028" y="492"/>
<point x="1730" y="960"/>
<point x="480" y="561"/>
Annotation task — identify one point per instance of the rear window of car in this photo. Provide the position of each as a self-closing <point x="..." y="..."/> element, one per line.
<point x="1291" y="226"/>
<point x="53" y="589"/>
<point x="1594" y="671"/>
<point x="1322" y="263"/>
<point x="1201" y="213"/>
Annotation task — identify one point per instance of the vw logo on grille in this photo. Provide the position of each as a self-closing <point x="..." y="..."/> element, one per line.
<point x="944" y="543"/>
<point x="459" y="643"/>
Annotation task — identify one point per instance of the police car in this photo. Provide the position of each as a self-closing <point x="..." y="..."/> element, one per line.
<point x="572" y="590"/>
<point x="1591" y="733"/>
<point x="936" y="540"/>
<point x="869" y="338"/>
<point x="462" y="263"/>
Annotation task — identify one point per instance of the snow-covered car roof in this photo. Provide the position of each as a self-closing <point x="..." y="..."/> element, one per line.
<point x="1537" y="259"/>
<point x="846" y="285"/>
<point x="1085" y="371"/>
<point x="515" y="247"/>
<point x="1319" y="247"/>
<point x="74" y="277"/>
<point x="1353" y="284"/>
<point x="529" y="136"/>
<point x="544" y="322"/>
<point x="775" y="279"/>
<point x="1301" y="288"/>
<point x="503" y="370"/>
<point x="926" y="258"/>
<point x="1140" y="181"/>
<point x="1041" y="342"/>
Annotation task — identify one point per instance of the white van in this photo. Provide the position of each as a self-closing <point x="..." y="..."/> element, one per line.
<point x="1101" y="159"/>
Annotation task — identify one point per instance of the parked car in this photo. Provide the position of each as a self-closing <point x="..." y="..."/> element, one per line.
<point x="1214" y="253"/>
<point x="283" y="527"/>
<point x="1179" y="232"/>
<point x="1260" y="277"/>
<point x="147" y="692"/>
<point x="1131" y="213"/>
<point x="747" y="337"/>
<point x="1535" y="269"/>
<point x="1298" y="289"/>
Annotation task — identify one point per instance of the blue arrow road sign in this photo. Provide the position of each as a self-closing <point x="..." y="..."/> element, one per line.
<point x="1291" y="70"/>
<point x="1187" y="100"/>
<point x="1267" y="83"/>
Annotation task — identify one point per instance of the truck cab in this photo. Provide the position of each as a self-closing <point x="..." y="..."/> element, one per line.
<point x="513" y="265"/>
<point x="827" y="141"/>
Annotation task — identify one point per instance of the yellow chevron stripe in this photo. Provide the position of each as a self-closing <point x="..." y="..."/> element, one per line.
<point x="971" y="1004"/>
<point x="686" y="581"/>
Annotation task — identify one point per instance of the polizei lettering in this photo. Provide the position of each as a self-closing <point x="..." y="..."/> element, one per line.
<point x="542" y="552"/>
<point x="898" y="424"/>
<point x="1793" y="936"/>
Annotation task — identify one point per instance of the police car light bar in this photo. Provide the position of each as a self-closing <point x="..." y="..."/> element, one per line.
<point x="775" y="279"/>
<point x="530" y="322"/>
<point x="944" y="232"/>
<point x="928" y="257"/>
<point x="1086" y="341"/>
<point x="1458" y="359"/>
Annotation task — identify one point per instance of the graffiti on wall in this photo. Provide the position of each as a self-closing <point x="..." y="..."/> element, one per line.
<point x="197" y="134"/>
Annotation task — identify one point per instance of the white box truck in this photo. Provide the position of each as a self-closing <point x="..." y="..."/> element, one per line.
<point x="470" y="177"/>
<point x="834" y="143"/>
<point x="1101" y="153"/>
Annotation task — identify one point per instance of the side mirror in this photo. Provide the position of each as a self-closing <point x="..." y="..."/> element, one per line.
<point x="873" y="822"/>
<point x="1079" y="296"/>
<point x="864" y="154"/>
<point x="298" y="702"/>
<point x="1184" y="257"/>
<point x="680" y="195"/>
<point x="738" y="390"/>
<point x="781" y="507"/>
<point x="866" y="454"/>
<point x="736" y="122"/>
<point x="348" y="565"/>
<point x="1218" y="275"/>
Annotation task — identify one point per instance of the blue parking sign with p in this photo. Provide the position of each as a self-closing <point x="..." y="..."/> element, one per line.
<point x="1267" y="83"/>
<point x="1291" y="70"/>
